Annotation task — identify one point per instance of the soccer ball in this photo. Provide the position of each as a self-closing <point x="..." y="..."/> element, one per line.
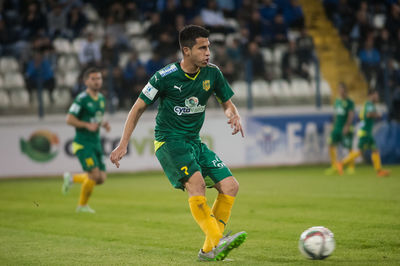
<point x="316" y="243"/>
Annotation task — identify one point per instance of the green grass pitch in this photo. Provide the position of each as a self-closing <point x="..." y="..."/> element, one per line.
<point x="142" y="220"/>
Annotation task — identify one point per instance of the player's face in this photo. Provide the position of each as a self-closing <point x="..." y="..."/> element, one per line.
<point x="375" y="97"/>
<point x="94" y="81"/>
<point x="200" y="52"/>
<point x="342" y="92"/>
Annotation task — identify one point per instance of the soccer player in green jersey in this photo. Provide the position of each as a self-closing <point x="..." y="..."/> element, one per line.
<point x="342" y="132"/>
<point x="183" y="89"/>
<point x="366" y="141"/>
<point x="86" y="115"/>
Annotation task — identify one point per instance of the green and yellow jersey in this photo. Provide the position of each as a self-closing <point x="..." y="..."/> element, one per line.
<point x="367" y="123"/>
<point x="87" y="109"/>
<point x="183" y="99"/>
<point x="342" y="108"/>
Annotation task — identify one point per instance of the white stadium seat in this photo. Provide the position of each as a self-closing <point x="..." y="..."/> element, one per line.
<point x="19" y="98"/>
<point x="71" y="78"/>
<point x="62" y="46"/>
<point x="8" y="64"/>
<point x="14" y="81"/>
<point x="133" y="28"/>
<point x="62" y="97"/>
<point x="4" y="99"/>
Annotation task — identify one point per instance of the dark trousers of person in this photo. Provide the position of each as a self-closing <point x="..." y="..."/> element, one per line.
<point x="32" y="84"/>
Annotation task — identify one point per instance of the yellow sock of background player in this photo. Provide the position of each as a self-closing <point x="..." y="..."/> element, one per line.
<point x="332" y="154"/>
<point x="376" y="160"/>
<point x="79" y="178"/>
<point x="86" y="191"/>
<point x="202" y="214"/>
<point x="222" y="211"/>
<point x="351" y="157"/>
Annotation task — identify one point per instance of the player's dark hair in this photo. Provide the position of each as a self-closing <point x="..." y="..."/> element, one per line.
<point x="189" y="34"/>
<point x="89" y="71"/>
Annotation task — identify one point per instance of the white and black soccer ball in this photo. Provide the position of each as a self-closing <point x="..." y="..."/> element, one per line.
<point x="316" y="243"/>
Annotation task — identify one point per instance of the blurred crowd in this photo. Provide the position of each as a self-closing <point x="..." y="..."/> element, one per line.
<point x="241" y="31"/>
<point x="371" y="30"/>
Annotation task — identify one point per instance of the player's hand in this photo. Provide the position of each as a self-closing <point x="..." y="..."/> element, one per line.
<point x="117" y="154"/>
<point x="92" y="126"/>
<point x="236" y="125"/>
<point x="106" y="126"/>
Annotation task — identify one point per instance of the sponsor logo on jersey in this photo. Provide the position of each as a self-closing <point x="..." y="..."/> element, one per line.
<point x="192" y="107"/>
<point x="206" y="85"/>
<point x="167" y="70"/>
<point x="149" y="91"/>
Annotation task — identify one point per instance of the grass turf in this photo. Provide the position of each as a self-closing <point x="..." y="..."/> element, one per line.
<point x="142" y="220"/>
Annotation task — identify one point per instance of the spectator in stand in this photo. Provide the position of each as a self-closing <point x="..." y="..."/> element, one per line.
<point x="115" y="28"/>
<point x="169" y="13"/>
<point x="130" y="69"/>
<point x="394" y="110"/>
<point x="393" y="20"/>
<point x="291" y="65"/>
<point x="384" y="44"/>
<point x="155" y="63"/>
<point x="140" y="80"/>
<point x="166" y="45"/>
<point x="90" y="53"/>
<point x="57" y="22"/>
<point x="76" y="22"/>
<point x="189" y="10"/>
<point x="256" y="27"/>
<point x="259" y="67"/>
<point x="155" y="29"/>
<point x="279" y="30"/>
<point x="234" y="51"/>
<point x="7" y="40"/>
<point x="305" y="47"/>
<point x="245" y="10"/>
<point x="33" y="22"/>
<point x="132" y="12"/>
<point x="214" y="19"/>
<point x="39" y="73"/>
<point x="293" y="15"/>
<point x="362" y="27"/>
<point x="224" y="62"/>
<point x="228" y="7"/>
<point x="268" y="10"/>
<point x="109" y="52"/>
<point x="370" y="59"/>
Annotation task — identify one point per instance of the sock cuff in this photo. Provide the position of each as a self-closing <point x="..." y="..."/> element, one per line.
<point x="226" y="198"/>
<point x="197" y="198"/>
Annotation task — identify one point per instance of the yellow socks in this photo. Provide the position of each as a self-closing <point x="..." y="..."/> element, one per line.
<point x="86" y="191"/>
<point x="202" y="214"/>
<point x="79" y="178"/>
<point x="222" y="211"/>
<point x="376" y="160"/>
<point x="351" y="157"/>
<point x="332" y="155"/>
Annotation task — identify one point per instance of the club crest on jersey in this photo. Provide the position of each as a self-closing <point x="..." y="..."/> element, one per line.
<point x="206" y="85"/>
<point x="192" y="107"/>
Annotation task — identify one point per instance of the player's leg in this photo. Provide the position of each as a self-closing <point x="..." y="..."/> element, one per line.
<point x="179" y="163"/>
<point x="334" y="138"/>
<point x="87" y="189"/>
<point x="348" y="144"/>
<point x="228" y="188"/>
<point x="376" y="159"/>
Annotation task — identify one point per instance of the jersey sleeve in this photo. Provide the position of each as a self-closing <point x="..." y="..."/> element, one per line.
<point x="223" y="91"/>
<point x="152" y="90"/>
<point x="76" y="107"/>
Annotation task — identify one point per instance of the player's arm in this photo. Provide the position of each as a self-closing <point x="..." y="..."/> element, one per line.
<point x="131" y="121"/>
<point x="349" y="121"/>
<point x="75" y="122"/>
<point x="233" y="116"/>
<point x="106" y="126"/>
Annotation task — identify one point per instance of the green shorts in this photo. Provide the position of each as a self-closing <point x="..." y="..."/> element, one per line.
<point x="366" y="142"/>
<point x="337" y="137"/>
<point x="180" y="159"/>
<point x="90" y="155"/>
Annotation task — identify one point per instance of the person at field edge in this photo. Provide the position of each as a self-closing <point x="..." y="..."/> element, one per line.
<point x="183" y="89"/>
<point x="366" y="141"/>
<point x="86" y="115"/>
<point x="342" y="132"/>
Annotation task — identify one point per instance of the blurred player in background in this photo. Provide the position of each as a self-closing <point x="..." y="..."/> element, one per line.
<point x="342" y="132"/>
<point x="86" y="115"/>
<point x="184" y="88"/>
<point x="366" y="140"/>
